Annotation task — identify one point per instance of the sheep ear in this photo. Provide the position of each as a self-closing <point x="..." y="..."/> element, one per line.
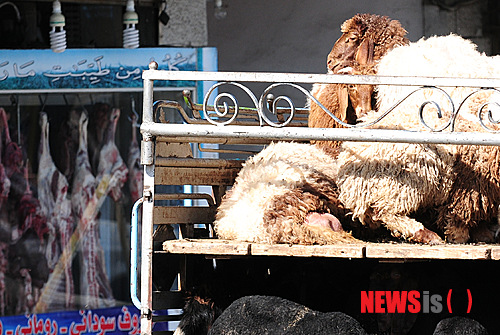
<point x="364" y="54"/>
<point x="343" y="102"/>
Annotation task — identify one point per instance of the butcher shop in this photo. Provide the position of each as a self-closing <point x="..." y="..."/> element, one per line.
<point x="70" y="111"/>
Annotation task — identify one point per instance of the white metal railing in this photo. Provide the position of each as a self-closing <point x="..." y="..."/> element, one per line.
<point x="220" y="115"/>
<point x="271" y="77"/>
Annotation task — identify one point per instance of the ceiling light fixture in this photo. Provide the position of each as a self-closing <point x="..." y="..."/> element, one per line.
<point x="220" y="11"/>
<point x="57" y="33"/>
<point x="130" y="32"/>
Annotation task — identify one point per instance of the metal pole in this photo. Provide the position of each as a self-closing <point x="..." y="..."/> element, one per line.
<point x="305" y="78"/>
<point x="134" y="243"/>
<point x="147" y="159"/>
<point x="200" y="132"/>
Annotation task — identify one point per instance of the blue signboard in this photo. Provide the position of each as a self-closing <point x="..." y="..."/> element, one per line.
<point x="40" y="70"/>
<point x="117" y="320"/>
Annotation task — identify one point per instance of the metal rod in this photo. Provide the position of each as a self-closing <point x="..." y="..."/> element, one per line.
<point x="89" y="90"/>
<point x="198" y="162"/>
<point x="306" y="78"/>
<point x="134" y="243"/>
<point x="186" y="196"/>
<point x="320" y="134"/>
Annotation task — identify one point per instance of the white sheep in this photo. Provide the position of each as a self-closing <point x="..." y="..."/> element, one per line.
<point x="275" y="194"/>
<point x="384" y="183"/>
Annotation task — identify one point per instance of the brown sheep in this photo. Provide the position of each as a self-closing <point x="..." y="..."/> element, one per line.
<point x="365" y="39"/>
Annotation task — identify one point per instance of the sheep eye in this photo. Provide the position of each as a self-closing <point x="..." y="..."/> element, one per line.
<point x="351" y="38"/>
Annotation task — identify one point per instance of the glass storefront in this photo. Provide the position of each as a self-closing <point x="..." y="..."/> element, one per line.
<point x="69" y="176"/>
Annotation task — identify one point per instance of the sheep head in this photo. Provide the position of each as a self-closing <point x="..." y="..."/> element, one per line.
<point x="360" y="96"/>
<point x="365" y="35"/>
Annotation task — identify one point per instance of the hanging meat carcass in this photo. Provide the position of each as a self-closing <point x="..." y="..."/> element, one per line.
<point x="4" y="179"/>
<point x="94" y="284"/>
<point x="32" y="221"/>
<point x="134" y="164"/>
<point x="110" y="161"/>
<point x="67" y="136"/>
<point x="4" y="249"/>
<point x="6" y="228"/>
<point x="56" y="206"/>
<point x="20" y="220"/>
<point x="12" y="176"/>
<point x="110" y="168"/>
<point x="84" y="182"/>
<point x="12" y="155"/>
<point x="87" y="197"/>
<point x="20" y="194"/>
<point x="98" y="124"/>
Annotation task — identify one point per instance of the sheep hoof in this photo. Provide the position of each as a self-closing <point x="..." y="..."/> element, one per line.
<point x="324" y="220"/>
<point x="427" y="236"/>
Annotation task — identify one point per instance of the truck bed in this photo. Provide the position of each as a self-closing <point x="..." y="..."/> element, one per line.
<point x="206" y="153"/>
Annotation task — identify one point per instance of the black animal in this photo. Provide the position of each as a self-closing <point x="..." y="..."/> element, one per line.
<point x="459" y="325"/>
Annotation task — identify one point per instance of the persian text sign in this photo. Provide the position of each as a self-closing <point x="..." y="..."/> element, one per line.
<point x="95" y="68"/>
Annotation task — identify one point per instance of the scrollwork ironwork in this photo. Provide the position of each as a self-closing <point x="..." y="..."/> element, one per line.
<point x="225" y="113"/>
<point x="222" y="114"/>
<point x="482" y="110"/>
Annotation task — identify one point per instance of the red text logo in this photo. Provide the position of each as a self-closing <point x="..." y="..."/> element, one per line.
<point x="406" y="302"/>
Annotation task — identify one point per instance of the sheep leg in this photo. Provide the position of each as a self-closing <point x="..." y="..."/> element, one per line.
<point x="457" y="231"/>
<point x="487" y="233"/>
<point x="409" y="229"/>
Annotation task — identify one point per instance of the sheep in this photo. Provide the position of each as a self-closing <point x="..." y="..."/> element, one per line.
<point x="383" y="183"/>
<point x="198" y="315"/>
<point x="284" y="194"/>
<point x="269" y="315"/>
<point x="274" y="315"/>
<point x="365" y="39"/>
<point x="279" y="196"/>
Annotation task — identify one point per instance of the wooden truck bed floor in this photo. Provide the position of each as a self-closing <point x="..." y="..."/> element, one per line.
<point x="388" y="251"/>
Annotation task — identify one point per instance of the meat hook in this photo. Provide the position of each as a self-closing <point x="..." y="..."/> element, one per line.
<point x="135" y="115"/>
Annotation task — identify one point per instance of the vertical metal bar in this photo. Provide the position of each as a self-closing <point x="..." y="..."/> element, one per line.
<point x="147" y="252"/>
<point x="134" y="243"/>
<point x="147" y="119"/>
<point x="147" y="159"/>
